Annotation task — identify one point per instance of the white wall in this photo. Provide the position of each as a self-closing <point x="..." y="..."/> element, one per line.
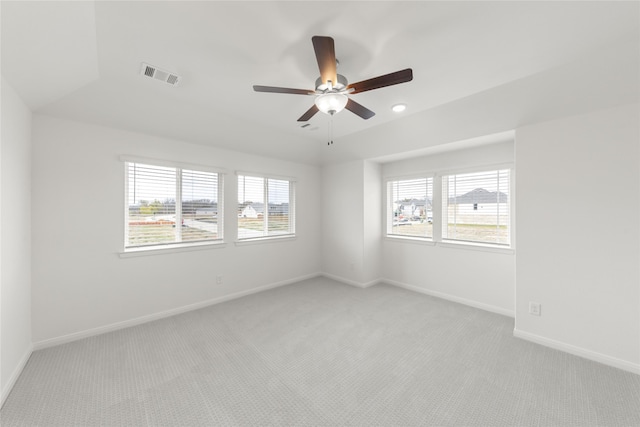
<point x="578" y="203"/>
<point x="477" y="277"/>
<point x="15" y="232"/>
<point x="81" y="285"/>
<point x="555" y="93"/>
<point x="351" y="224"/>
<point x="372" y="221"/>
<point x="342" y="230"/>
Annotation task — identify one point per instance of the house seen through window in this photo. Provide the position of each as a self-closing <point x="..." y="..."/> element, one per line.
<point x="476" y="207"/>
<point x="410" y="207"/>
<point x="472" y="207"/>
<point x="266" y="207"/>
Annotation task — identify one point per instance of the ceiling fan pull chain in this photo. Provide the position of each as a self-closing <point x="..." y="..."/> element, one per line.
<point x="330" y="142"/>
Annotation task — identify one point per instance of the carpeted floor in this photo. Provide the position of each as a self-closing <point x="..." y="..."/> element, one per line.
<point x="320" y="353"/>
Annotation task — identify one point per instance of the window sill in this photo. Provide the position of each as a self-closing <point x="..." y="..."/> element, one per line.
<point x="408" y="239"/>
<point x="170" y="249"/>
<point x="485" y="247"/>
<point x="261" y="240"/>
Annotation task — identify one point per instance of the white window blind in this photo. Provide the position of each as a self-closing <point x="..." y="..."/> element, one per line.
<point x="167" y="205"/>
<point x="266" y="207"/>
<point x="200" y="215"/>
<point x="476" y="207"/>
<point x="409" y="207"/>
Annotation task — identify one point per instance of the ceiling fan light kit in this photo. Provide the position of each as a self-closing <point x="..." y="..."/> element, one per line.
<point x="332" y="89"/>
<point x="331" y="102"/>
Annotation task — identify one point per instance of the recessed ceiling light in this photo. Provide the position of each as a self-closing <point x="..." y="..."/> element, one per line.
<point x="398" y="108"/>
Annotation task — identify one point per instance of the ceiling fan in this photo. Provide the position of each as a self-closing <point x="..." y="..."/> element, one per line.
<point x="332" y="89"/>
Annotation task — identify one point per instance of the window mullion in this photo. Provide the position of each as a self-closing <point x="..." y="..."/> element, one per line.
<point x="265" y="216"/>
<point x="437" y="208"/>
<point x="498" y="203"/>
<point x="178" y="221"/>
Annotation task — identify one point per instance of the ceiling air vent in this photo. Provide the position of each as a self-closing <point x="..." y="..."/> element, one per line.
<point x="158" y="74"/>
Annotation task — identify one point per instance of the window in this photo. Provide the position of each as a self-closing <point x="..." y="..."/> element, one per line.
<point x="475" y="207"/>
<point x="470" y="208"/>
<point x="168" y="205"/>
<point x="409" y="207"/>
<point x="266" y="207"/>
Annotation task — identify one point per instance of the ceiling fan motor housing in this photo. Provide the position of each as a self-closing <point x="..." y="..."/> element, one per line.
<point x="339" y="85"/>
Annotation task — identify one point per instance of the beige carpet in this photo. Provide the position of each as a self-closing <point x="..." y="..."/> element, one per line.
<point x="320" y="353"/>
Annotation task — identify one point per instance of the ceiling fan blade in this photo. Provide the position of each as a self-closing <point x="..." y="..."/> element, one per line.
<point x="326" y="56"/>
<point x="391" y="79"/>
<point x="310" y="113"/>
<point x="273" y="89"/>
<point x="359" y="109"/>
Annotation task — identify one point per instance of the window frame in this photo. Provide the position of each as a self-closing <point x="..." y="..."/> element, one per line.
<point x="291" y="234"/>
<point x="430" y="178"/>
<point x="438" y="206"/>
<point x="178" y="245"/>
<point x="492" y="168"/>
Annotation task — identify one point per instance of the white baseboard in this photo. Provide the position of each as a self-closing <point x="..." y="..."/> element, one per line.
<point x="161" y="315"/>
<point x="350" y="282"/>
<point x="15" y="375"/>
<point x="471" y="303"/>
<point x="579" y="351"/>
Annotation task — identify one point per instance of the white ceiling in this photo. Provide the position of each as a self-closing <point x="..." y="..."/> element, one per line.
<point x="81" y="60"/>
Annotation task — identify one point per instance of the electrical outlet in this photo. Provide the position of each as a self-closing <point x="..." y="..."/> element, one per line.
<point x="218" y="280"/>
<point x="535" y="309"/>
